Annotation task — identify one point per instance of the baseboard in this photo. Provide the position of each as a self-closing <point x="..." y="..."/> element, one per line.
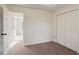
<point x="37" y="43"/>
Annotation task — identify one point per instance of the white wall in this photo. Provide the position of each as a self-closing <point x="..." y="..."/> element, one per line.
<point x="37" y="25"/>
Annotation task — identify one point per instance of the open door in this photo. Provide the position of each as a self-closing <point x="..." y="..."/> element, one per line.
<point x="1" y="31"/>
<point x="6" y="28"/>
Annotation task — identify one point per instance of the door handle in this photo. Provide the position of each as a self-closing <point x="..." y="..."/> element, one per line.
<point x="4" y="34"/>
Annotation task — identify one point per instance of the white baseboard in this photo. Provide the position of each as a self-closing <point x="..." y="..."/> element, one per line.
<point x="37" y="42"/>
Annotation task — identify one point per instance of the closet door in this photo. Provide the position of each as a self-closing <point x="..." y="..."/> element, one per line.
<point x="60" y="29"/>
<point x="71" y="29"/>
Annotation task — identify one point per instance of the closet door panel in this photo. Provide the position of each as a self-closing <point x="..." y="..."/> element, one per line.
<point x="71" y="29"/>
<point x="60" y="29"/>
<point x="78" y="34"/>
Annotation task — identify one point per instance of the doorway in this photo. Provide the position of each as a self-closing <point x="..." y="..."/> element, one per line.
<point x="10" y="29"/>
<point x="16" y="28"/>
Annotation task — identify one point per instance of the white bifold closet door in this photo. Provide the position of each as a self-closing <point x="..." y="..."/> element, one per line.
<point x="67" y="29"/>
<point x="60" y="29"/>
<point x="71" y="38"/>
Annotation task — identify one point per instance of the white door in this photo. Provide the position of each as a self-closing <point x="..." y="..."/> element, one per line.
<point x="67" y="28"/>
<point x="1" y="31"/>
<point x="60" y="29"/>
<point x="71" y="29"/>
<point x="6" y="29"/>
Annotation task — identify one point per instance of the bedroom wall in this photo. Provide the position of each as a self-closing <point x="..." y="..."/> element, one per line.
<point x="37" y="25"/>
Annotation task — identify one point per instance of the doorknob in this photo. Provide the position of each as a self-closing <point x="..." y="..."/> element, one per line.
<point x="4" y="34"/>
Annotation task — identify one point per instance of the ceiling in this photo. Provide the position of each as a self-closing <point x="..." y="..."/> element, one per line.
<point x="48" y="7"/>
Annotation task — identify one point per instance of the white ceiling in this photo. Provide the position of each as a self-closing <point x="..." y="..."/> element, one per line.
<point x="48" y="7"/>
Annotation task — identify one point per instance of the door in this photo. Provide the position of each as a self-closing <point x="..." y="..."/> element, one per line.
<point x="67" y="28"/>
<point x="6" y="29"/>
<point x="1" y="31"/>
<point x="71" y="38"/>
<point x="60" y="29"/>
